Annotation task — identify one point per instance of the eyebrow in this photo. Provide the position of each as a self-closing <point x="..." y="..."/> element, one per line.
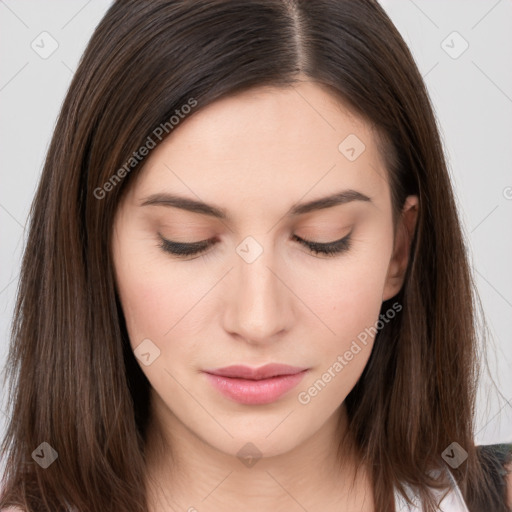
<point x="191" y="205"/>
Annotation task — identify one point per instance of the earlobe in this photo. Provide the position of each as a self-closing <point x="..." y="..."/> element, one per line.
<point x="401" y="250"/>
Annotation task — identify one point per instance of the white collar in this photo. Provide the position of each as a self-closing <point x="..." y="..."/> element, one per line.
<point x="452" y="502"/>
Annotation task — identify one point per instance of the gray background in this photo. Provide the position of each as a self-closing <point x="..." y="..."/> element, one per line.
<point x="472" y="95"/>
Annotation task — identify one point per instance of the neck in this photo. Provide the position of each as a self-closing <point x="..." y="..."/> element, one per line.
<point x="186" y="473"/>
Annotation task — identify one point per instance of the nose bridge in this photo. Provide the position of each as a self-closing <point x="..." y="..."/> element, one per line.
<point x="257" y="302"/>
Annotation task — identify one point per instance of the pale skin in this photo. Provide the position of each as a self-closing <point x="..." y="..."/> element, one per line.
<point x="249" y="155"/>
<point x="255" y="155"/>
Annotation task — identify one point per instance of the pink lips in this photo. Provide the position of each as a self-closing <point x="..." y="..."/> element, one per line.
<point x="255" y="386"/>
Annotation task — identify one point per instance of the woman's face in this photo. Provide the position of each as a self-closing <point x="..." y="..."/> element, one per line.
<point x="256" y="294"/>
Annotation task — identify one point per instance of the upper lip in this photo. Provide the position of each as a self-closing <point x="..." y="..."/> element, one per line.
<point x="263" y="372"/>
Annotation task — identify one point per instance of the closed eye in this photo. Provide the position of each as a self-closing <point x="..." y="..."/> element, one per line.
<point x="326" y="248"/>
<point x="182" y="249"/>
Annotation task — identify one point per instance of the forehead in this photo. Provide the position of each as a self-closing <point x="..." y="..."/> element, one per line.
<point x="268" y="144"/>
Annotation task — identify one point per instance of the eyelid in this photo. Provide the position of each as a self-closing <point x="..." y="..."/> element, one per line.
<point x="320" y="244"/>
<point x="183" y="249"/>
<point x="326" y="248"/>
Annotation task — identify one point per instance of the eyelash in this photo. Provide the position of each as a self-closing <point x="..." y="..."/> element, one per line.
<point x="328" y="249"/>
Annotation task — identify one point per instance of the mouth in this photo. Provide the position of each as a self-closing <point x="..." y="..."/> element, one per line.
<point x="255" y="386"/>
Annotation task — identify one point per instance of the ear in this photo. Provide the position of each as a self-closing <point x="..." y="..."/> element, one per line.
<point x="400" y="258"/>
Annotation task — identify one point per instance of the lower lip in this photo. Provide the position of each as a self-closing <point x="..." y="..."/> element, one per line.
<point x="255" y="392"/>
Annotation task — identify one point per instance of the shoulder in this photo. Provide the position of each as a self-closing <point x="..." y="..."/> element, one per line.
<point x="501" y="455"/>
<point x="508" y="467"/>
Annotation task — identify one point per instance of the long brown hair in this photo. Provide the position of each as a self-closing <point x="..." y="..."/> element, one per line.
<point x="74" y="381"/>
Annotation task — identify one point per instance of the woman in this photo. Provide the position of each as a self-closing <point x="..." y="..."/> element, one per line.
<point x="245" y="284"/>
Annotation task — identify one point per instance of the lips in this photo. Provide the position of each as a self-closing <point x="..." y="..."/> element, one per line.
<point x="255" y="386"/>
<point x="248" y="373"/>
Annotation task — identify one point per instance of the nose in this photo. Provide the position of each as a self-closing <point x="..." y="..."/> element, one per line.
<point x="258" y="303"/>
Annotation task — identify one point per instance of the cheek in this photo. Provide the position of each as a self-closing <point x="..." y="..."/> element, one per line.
<point x="163" y="301"/>
<point x="143" y="290"/>
<point x="347" y="293"/>
<point x="348" y="305"/>
<point x="350" y="310"/>
<point x="153" y="301"/>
